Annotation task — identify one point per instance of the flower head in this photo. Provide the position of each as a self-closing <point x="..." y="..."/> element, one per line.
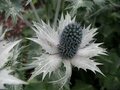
<point x="75" y="4"/>
<point x="70" y="44"/>
<point x="5" y="53"/>
<point x="88" y="4"/>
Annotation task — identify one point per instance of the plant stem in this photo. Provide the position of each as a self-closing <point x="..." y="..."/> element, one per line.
<point x="114" y="4"/>
<point x="35" y="12"/>
<point x="25" y="20"/>
<point x="57" y="12"/>
<point x="98" y="11"/>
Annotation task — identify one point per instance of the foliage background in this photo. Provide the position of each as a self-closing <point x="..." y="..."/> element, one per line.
<point x="105" y="15"/>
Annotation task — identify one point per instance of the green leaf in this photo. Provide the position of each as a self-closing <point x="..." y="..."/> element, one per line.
<point x="82" y="86"/>
<point x="112" y="83"/>
<point x="36" y="85"/>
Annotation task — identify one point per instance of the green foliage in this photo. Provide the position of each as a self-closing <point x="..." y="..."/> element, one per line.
<point x="103" y="14"/>
<point x="82" y="86"/>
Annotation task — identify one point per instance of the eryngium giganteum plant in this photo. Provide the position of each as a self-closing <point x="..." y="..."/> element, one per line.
<point x="5" y="53"/>
<point x="70" y="44"/>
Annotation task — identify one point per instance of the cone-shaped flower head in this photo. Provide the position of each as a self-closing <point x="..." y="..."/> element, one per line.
<point x="71" y="44"/>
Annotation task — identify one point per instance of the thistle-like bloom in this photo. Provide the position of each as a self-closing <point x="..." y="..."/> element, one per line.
<point x="70" y="44"/>
<point x="88" y="4"/>
<point x="75" y="4"/>
<point x="5" y="53"/>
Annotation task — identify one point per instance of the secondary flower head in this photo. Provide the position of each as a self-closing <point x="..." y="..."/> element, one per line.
<point x="88" y="4"/>
<point x="5" y="53"/>
<point x="75" y="4"/>
<point x="70" y="44"/>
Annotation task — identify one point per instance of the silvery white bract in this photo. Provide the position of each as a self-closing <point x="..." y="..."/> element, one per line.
<point x="52" y="41"/>
<point x="6" y="78"/>
<point x="5" y="47"/>
<point x="28" y="1"/>
<point x="5" y="53"/>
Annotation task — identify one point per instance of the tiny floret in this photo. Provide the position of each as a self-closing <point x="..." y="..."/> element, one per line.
<point x="70" y="40"/>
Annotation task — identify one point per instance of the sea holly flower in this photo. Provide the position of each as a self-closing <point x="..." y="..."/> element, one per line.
<point x="69" y="44"/>
<point x="5" y="53"/>
<point x="88" y="4"/>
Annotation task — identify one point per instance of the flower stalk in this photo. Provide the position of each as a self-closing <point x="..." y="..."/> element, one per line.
<point x="35" y="12"/>
<point x="57" y="12"/>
